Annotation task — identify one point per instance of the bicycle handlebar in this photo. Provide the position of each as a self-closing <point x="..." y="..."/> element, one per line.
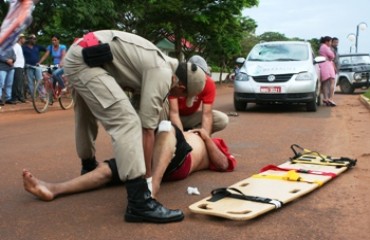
<point x="44" y="68"/>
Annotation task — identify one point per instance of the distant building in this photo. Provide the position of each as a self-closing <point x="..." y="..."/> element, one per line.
<point x="166" y="46"/>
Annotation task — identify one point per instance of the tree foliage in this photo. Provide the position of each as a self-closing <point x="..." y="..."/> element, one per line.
<point x="215" y="29"/>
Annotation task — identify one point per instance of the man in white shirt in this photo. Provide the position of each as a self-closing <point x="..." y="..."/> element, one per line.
<point x="18" y="83"/>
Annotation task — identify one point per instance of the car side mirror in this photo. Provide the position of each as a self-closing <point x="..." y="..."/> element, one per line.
<point x="319" y="59"/>
<point x="240" y="60"/>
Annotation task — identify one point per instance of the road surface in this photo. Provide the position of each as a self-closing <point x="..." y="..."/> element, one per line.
<point x="44" y="144"/>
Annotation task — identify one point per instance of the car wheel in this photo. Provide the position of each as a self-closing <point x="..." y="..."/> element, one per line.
<point x="240" y="105"/>
<point x="318" y="95"/>
<point x="318" y="100"/>
<point x="346" y="87"/>
<point x="312" y="106"/>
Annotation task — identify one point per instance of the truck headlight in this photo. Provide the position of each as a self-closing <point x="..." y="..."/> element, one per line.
<point x="357" y="76"/>
<point x="242" y="77"/>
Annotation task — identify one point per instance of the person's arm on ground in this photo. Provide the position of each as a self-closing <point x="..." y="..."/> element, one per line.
<point x="175" y="114"/>
<point x="216" y="156"/>
<point x="207" y="118"/>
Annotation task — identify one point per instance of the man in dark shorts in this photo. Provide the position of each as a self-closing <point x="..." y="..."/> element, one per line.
<point x="176" y="155"/>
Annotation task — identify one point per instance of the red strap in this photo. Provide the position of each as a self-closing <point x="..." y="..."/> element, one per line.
<point x="89" y="40"/>
<point x="276" y="168"/>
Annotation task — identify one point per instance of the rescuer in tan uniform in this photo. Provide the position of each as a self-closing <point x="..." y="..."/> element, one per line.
<point x="99" y="66"/>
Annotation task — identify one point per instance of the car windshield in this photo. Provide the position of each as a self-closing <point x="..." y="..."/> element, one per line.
<point x="355" y="60"/>
<point x="279" y="52"/>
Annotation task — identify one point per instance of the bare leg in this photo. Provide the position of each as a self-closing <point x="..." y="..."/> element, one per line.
<point x="332" y="88"/>
<point x="164" y="148"/>
<point x="48" y="191"/>
<point x="325" y="85"/>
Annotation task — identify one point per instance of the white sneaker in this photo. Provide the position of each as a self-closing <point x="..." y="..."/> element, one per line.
<point x="64" y="90"/>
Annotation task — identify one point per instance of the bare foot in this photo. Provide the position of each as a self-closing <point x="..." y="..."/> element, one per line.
<point x="36" y="187"/>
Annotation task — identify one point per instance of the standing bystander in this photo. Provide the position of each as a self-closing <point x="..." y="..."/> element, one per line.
<point x="334" y="48"/>
<point x="7" y="59"/>
<point x="31" y="52"/>
<point x="327" y="71"/>
<point x="18" y="83"/>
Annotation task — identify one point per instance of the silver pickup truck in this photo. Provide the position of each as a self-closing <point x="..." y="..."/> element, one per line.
<point x="354" y="72"/>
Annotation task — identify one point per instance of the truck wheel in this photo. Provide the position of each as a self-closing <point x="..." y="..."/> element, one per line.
<point x="346" y="87"/>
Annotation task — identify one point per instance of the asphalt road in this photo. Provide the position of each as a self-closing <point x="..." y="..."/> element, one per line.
<point x="44" y="144"/>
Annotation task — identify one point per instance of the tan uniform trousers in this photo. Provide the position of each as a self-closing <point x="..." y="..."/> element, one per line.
<point x="98" y="97"/>
<point x="220" y="120"/>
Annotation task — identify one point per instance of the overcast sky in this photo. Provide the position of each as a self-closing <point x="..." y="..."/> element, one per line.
<point x="309" y="19"/>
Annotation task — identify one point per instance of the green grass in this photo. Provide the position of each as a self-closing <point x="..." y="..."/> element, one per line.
<point x="367" y="94"/>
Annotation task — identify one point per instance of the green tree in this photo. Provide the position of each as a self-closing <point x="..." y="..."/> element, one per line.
<point x="272" y="36"/>
<point x="315" y="43"/>
<point x="203" y="23"/>
<point x="214" y="28"/>
<point x="248" y="42"/>
<point x="72" y="18"/>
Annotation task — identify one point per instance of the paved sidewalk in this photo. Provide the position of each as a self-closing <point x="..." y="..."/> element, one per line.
<point x="10" y="108"/>
<point x="16" y="107"/>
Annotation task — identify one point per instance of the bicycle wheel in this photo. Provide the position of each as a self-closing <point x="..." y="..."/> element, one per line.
<point x="41" y="96"/>
<point x="65" y="99"/>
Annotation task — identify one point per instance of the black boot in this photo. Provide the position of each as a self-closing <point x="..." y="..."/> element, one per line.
<point x="142" y="207"/>
<point x="88" y="165"/>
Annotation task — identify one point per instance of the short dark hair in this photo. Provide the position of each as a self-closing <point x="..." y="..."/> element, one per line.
<point x="334" y="39"/>
<point x="57" y="36"/>
<point x="32" y="36"/>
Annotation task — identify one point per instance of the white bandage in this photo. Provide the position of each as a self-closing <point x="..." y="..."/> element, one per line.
<point x="164" y="126"/>
<point x="193" y="191"/>
<point x="149" y="182"/>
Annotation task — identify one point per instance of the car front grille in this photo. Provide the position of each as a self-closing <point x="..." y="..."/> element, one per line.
<point x="285" y="97"/>
<point x="278" y="78"/>
<point x="364" y="76"/>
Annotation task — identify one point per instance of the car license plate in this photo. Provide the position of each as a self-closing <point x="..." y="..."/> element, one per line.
<point x="274" y="89"/>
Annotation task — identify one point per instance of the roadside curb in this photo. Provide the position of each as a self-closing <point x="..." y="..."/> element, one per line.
<point x="365" y="101"/>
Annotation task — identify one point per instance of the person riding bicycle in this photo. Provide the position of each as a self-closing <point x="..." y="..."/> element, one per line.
<point x="57" y="52"/>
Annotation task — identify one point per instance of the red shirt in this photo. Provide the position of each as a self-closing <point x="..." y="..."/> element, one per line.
<point x="207" y="96"/>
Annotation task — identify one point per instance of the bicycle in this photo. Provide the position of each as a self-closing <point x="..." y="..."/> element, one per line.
<point x="47" y="91"/>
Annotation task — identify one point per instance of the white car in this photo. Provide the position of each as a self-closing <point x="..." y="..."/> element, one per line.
<point x="279" y="72"/>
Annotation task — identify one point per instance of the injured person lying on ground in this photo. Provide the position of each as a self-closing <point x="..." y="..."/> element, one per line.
<point x="176" y="155"/>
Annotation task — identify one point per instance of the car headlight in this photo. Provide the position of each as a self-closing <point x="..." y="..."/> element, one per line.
<point x="242" y="77"/>
<point x="304" y="76"/>
<point x="357" y="76"/>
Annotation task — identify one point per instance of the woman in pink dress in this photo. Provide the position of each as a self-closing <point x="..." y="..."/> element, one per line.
<point x="327" y="71"/>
